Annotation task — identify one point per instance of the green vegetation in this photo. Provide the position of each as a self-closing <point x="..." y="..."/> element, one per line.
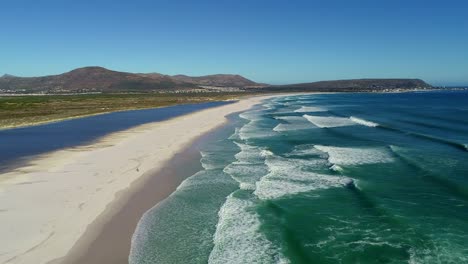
<point x="26" y="110"/>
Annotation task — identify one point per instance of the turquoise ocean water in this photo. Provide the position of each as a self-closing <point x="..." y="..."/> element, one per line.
<point x="323" y="178"/>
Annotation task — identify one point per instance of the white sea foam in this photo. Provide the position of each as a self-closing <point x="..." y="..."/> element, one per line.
<point x="249" y="166"/>
<point x="306" y="109"/>
<point x="212" y="159"/>
<point x="284" y="110"/>
<point x="336" y="167"/>
<point x="206" y="162"/>
<point x="283" y="127"/>
<point x="268" y="106"/>
<point x="273" y="177"/>
<point x="201" y="178"/>
<point x="291" y="176"/>
<point x="266" y="153"/>
<point x="307" y="150"/>
<point x="444" y="250"/>
<point x="251" y="154"/>
<point x="238" y="239"/>
<point x="284" y="99"/>
<point x="363" y="122"/>
<point x="291" y="127"/>
<point x="304" y="97"/>
<point x="290" y="118"/>
<point x="235" y="135"/>
<point x="329" y="121"/>
<point x="356" y="156"/>
<point x="246" y="174"/>
<point x="298" y="102"/>
<point x="274" y="189"/>
<point x="279" y="166"/>
<point x="251" y="115"/>
<point x="293" y="123"/>
<point x="254" y="130"/>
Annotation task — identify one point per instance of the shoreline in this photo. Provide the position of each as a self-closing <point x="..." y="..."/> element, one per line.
<point x="108" y="238"/>
<point x="234" y="98"/>
<point x="65" y="199"/>
<point x="60" y="119"/>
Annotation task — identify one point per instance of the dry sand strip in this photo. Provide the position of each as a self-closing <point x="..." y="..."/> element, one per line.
<point x="45" y="208"/>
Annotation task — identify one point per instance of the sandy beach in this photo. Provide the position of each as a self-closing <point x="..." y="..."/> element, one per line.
<point x="53" y="210"/>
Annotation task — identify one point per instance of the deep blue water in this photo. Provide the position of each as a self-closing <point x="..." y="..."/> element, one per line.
<point x="324" y="178"/>
<point x="17" y="145"/>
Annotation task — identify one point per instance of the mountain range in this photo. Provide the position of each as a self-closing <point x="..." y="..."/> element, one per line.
<point x="98" y="79"/>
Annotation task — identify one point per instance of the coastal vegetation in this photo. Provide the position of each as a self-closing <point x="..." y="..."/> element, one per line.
<point x="28" y="109"/>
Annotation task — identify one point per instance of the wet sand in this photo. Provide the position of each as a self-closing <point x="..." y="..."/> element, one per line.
<point x="108" y="238"/>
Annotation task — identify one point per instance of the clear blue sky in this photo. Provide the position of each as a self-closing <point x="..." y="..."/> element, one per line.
<point x="266" y="40"/>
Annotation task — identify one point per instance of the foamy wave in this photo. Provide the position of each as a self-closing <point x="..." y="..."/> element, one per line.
<point x="284" y="99"/>
<point x="307" y="150"/>
<point x="293" y="123"/>
<point x="363" y="122"/>
<point x="274" y="189"/>
<point x="444" y="251"/>
<point x="299" y="102"/>
<point x="253" y="130"/>
<point x="329" y="121"/>
<point x="291" y="176"/>
<point x="291" y="127"/>
<point x="282" y="127"/>
<point x="282" y="166"/>
<point x="246" y="174"/>
<point x="201" y="178"/>
<point x="266" y="153"/>
<point x="207" y="165"/>
<point x="306" y="109"/>
<point x="251" y="115"/>
<point x="251" y="154"/>
<point x="249" y="166"/>
<point x="268" y="106"/>
<point x="210" y="161"/>
<point x="238" y="238"/>
<point x="283" y="110"/>
<point x="290" y="118"/>
<point x="356" y="156"/>
<point x="336" y="168"/>
<point x="247" y="186"/>
<point x="235" y="135"/>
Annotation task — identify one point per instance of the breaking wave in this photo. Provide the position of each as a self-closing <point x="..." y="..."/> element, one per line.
<point x="238" y="238"/>
<point x="355" y="156"/>
<point x="329" y="121"/>
<point x="288" y="176"/>
<point x="307" y="109"/>
<point x="363" y="122"/>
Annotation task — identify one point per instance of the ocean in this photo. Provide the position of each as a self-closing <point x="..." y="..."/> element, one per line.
<point x="323" y="178"/>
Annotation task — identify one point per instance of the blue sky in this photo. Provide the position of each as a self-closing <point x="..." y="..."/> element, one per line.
<point x="268" y="41"/>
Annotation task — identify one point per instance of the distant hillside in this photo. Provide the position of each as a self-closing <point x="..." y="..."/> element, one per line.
<point x="352" y="85"/>
<point x="215" y="80"/>
<point x="98" y="79"/>
<point x="220" y="80"/>
<point x="89" y="79"/>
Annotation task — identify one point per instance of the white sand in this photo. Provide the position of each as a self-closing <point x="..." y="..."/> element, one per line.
<point x="46" y="207"/>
